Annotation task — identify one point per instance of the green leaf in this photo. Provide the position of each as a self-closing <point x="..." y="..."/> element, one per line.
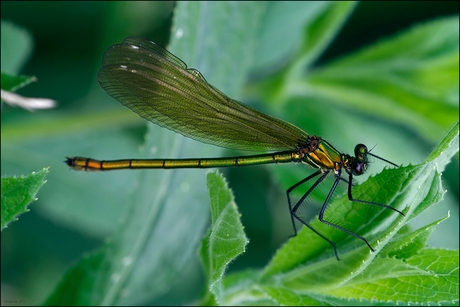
<point x="12" y="83"/>
<point x="305" y="270"/>
<point x="17" y="46"/>
<point x="311" y="27"/>
<point x="155" y="246"/>
<point x="407" y="78"/>
<point x="428" y="278"/>
<point x="229" y="76"/>
<point x="18" y="192"/>
<point x="226" y="239"/>
<point x="349" y="101"/>
<point x="90" y="123"/>
<point x="298" y="17"/>
<point x="242" y="288"/>
<point x="406" y="243"/>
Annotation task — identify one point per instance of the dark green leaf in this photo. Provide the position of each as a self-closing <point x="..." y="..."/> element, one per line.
<point x="12" y="83"/>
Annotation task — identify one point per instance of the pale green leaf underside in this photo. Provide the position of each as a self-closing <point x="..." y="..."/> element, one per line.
<point x="226" y="239"/>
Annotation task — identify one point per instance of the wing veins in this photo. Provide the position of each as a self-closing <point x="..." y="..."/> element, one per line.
<point x="184" y="102"/>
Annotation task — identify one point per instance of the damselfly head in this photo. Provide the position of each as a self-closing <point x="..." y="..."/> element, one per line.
<point x="359" y="163"/>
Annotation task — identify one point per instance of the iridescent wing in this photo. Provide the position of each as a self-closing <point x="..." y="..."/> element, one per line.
<point x="160" y="88"/>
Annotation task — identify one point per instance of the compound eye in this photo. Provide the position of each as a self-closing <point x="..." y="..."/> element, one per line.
<point x="358" y="168"/>
<point x="360" y="151"/>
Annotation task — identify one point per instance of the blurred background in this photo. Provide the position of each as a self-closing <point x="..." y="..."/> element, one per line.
<point x="75" y="213"/>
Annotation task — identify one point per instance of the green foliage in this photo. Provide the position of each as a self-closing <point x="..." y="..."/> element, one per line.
<point x="11" y="83"/>
<point x="157" y="240"/>
<point x="226" y="239"/>
<point x="408" y="78"/>
<point x="400" y="93"/>
<point x="18" y="192"/>
<point x="304" y="271"/>
<point x="17" y="46"/>
<point x="16" y="49"/>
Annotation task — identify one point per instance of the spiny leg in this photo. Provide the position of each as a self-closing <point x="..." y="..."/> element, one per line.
<point x="350" y="197"/>
<point x="323" y="208"/>
<point x="289" y="199"/>
<point x="296" y="207"/>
